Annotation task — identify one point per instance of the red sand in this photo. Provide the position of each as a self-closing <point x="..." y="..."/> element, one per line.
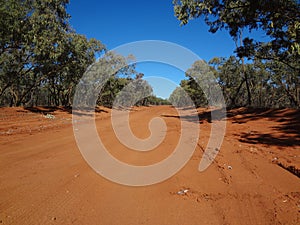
<point x="45" y="180"/>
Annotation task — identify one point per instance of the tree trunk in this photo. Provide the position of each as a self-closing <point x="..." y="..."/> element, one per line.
<point x="246" y="79"/>
<point x="233" y="100"/>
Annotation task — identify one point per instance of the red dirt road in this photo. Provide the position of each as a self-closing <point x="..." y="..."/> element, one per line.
<point x="45" y="180"/>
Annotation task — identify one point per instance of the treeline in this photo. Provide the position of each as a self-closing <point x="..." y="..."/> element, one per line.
<point x="271" y="75"/>
<point x="264" y="84"/>
<point x="42" y="58"/>
<point x="120" y="92"/>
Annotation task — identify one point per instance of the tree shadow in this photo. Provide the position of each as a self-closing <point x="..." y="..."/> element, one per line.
<point x="288" y="127"/>
<point x="46" y="109"/>
<point x="269" y="139"/>
<point x="288" y="121"/>
<point x="206" y="115"/>
<point x="189" y="118"/>
<point x="52" y="109"/>
<point x="244" y="115"/>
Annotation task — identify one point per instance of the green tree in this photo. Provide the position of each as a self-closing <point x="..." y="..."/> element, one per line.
<point x="201" y="87"/>
<point x="180" y="97"/>
<point x="284" y="84"/>
<point x="40" y="54"/>
<point x="154" y="100"/>
<point x="229" y="73"/>
<point x="279" y="19"/>
<point x="136" y="92"/>
<point x="104" y="79"/>
<point x="271" y="84"/>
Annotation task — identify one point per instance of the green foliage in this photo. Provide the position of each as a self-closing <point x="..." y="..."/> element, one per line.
<point x="127" y="92"/>
<point x="180" y="97"/>
<point x="43" y="60"/>
<point x="272" y="79"/>
<point x="199" y="89"/>
<point x="153" y="100"/>
<point x="271" y="84"/>
<point x="230" y="78"/>
<point x="279" y="19"/>
<point x="102" y="81"/>
<point x="41" y="57"/>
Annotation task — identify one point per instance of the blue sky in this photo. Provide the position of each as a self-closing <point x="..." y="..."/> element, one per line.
<point x="118" y="22"/>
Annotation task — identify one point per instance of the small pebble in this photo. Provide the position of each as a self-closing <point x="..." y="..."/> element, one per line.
<point x="274" y="159"/>
<point x="182" y="192"/>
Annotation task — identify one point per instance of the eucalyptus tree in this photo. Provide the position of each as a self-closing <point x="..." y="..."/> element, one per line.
<point x="40" y="52"/>
<point x="279" y="19"/>
<point x="280" y="22"/>
<point x="180" y="97"/>
<point x="200" y="86"/>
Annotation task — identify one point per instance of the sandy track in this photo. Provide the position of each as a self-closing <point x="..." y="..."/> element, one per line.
<point x="45" y="180"/>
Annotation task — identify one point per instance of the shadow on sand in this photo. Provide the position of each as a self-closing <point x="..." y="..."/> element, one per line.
<point x="288" y="126"/>
<point x="288" y="121"/>
<point x="52" y="109"/>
